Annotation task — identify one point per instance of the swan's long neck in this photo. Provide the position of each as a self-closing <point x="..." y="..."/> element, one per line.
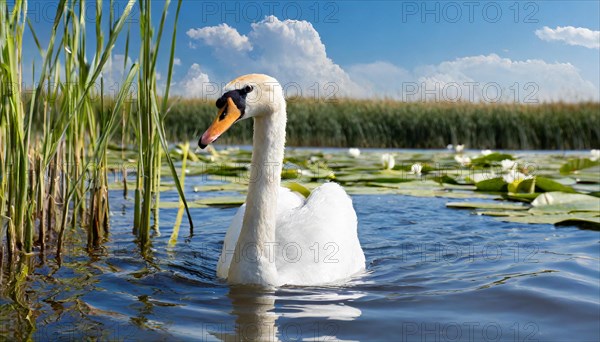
<point x="254" y="262"/>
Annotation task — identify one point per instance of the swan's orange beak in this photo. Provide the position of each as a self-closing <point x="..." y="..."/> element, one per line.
<point x="226" y="117"/>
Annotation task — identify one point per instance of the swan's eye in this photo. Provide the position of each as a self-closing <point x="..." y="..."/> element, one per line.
<point x="223" y="115"/>
<point x="248" y="89"/>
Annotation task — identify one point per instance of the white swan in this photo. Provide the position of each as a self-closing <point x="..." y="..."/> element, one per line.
<point x="278" y="237"/>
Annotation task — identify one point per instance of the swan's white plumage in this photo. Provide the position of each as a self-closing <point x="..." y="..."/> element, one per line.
<point x="322" y="228"/>
<point x="278" y="237"/>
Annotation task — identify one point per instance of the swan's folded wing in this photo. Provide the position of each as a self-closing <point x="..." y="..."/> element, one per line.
<point x="231" y="237"/>
<point x="287" y="201"/>
<point x="318" y="241"/>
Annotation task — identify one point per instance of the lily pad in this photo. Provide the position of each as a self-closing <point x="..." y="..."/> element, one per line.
<point x="504" y="213"/>
<point x="233" y="201"/>
<point x="461" y="187"/>
<point x="380" y="177"/>
<point x="586" y="177"/>
<point x="565" y="202"/>
<point x="527" y="198"/>
<point x="221" y="187"/>
<point x="551" y="219"/>
<point x="543" y="184"/>
<point x="583" y="222"/>
<point x="486" y="205"/>
<point x="222" y="202"/>
<point x="526" y="186"/>
<point x="492" y="185"/>
<point x="445" y="179"/>
<point x="589" y="188"/>
<point x="577" y="164"/>
<point x="491" y="158"/>
<point x="367" y="190"/>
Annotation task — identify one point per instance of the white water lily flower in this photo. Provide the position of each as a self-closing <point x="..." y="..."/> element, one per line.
<point x="515" y="176"/>
<point x="462" y="160"/>
<point x="595" y="155"/>
<point x="459" y="148"/>
<point x="301" y="172"/>
<point x="450" y="147"/>
<point x="486" y="152"/>
<point x="478" y="177"/>
<point x="388" y="161"/>
<point x="416" y="169"/>
<point x="354" y="152"/>
<point x="508" y="164"/>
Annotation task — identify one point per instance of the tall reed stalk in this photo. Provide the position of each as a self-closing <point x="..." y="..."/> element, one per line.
<point x="150" y="117"/>
<point x="58" y="176"/>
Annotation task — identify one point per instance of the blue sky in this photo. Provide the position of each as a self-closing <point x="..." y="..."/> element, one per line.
<point x="522" y="51"/>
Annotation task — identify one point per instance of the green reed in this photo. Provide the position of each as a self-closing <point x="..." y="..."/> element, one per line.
<point x="150" y="116"/>
<point x="391" y="124"/>
<point x="54" y="137"/>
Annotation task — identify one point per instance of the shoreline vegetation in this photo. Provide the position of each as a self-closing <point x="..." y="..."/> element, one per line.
<point x="395" y="124"/>
<point x="54" y="138"/>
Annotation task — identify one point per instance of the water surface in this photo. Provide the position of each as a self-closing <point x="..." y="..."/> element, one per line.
<point x="433" y="274"/>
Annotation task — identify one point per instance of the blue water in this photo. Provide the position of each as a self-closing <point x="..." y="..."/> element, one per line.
<point x="433" y="274"/>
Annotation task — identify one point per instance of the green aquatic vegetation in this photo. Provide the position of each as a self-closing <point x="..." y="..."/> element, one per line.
<point x="553" y="218"/>
<point x="557" y="208"/>
<point x="491" y="159"/>
<point x="492" y="185"/>
<point x="486" y="206"/>
<point x="394" y="124"/>
<point x="565" y="202"/>
<point x="445" y="178"/>
<point x="578" y="164"/>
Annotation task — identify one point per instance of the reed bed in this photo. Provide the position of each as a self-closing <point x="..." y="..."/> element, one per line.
<point x="54" y="138"/>
<point x="391" y="124"/>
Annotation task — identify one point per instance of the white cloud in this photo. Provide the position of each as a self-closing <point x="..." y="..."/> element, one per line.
<point x="571" y="35"/>
<point x="487" y="78"/>
<point x="195" y="83"/>
<point x="221" y="37"/>
<point x="521" y="81"/>
<point x="289" y="50"/>
<point x="176" y="61"/>
<point x="292" y="52"/>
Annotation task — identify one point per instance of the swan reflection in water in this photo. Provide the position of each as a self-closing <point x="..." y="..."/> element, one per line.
<point x="300" y="314"/>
